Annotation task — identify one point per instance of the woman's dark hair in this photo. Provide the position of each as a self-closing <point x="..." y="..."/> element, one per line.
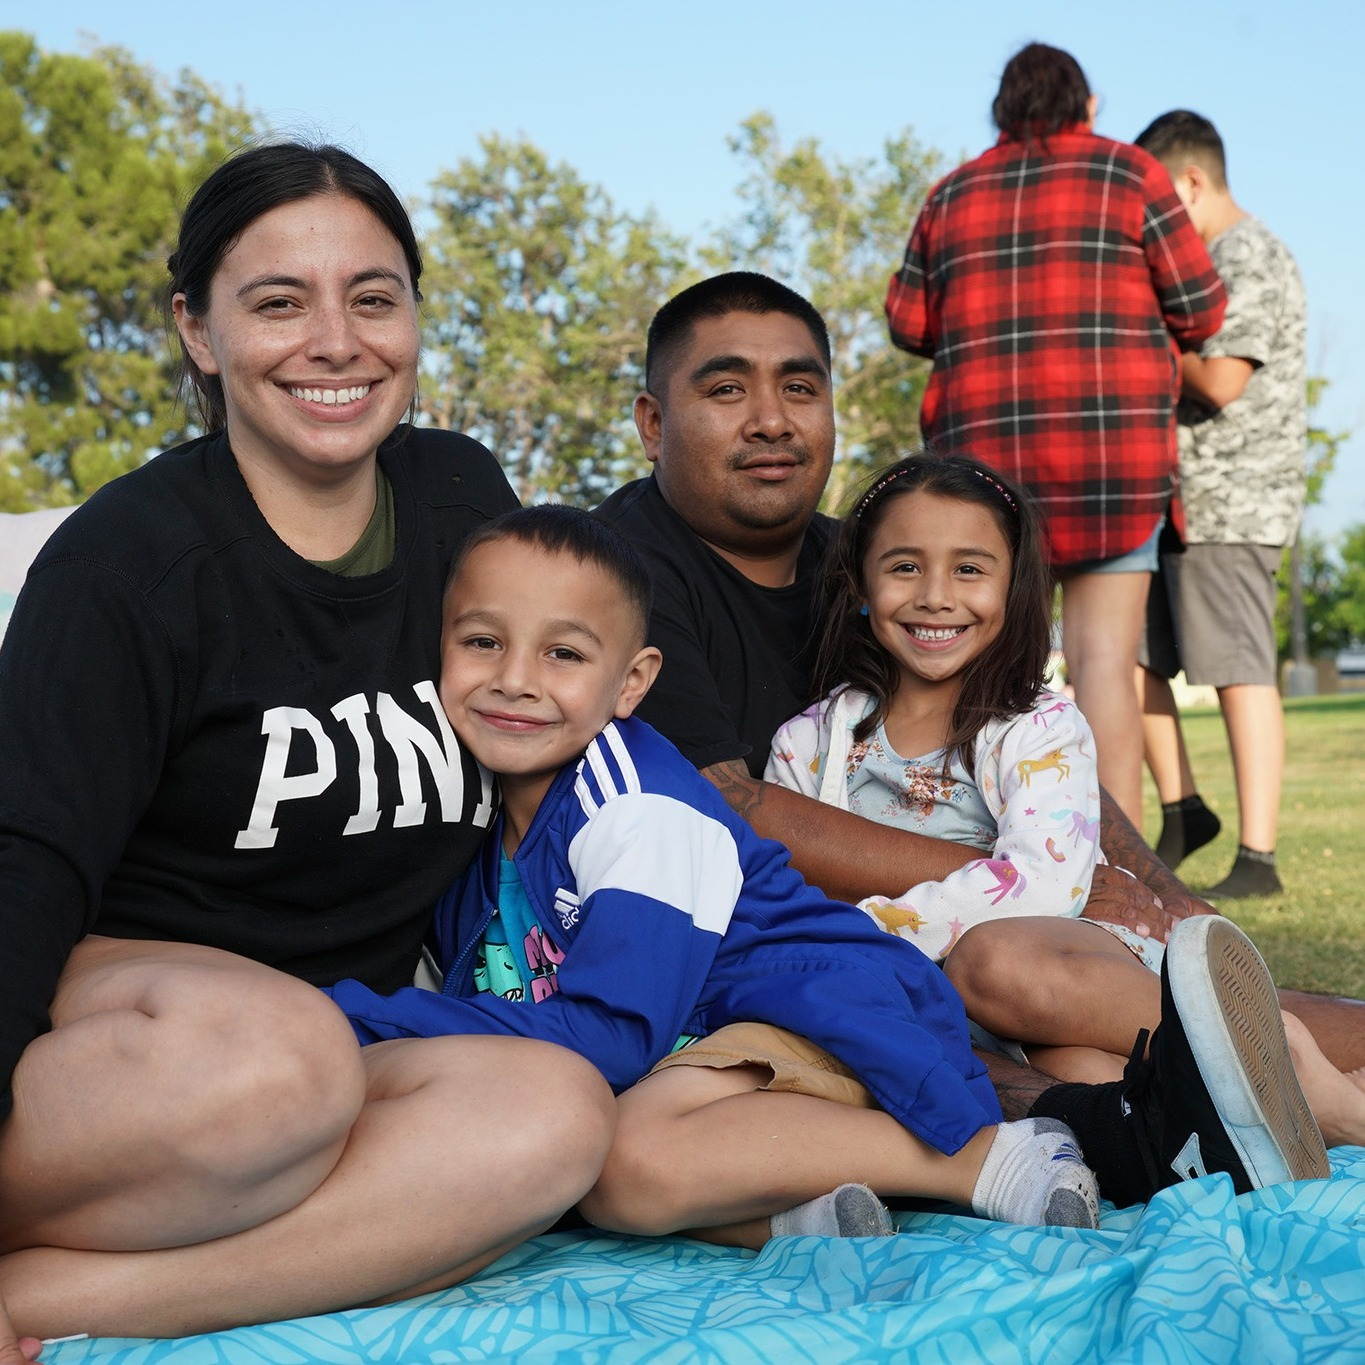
<point x="244" y="187"/>
<point x="571" y="531"/>
<point x="1005" y="678"/>
<point x="1042" y="90"/>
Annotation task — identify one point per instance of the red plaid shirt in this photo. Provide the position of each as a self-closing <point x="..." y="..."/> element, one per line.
<point x="1053" y="285"/>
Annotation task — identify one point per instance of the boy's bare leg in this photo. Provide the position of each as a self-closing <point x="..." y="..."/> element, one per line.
<point x="14" y="1349"/>
<point x="707" y="1150"/>
<point x="464" y="1148"/>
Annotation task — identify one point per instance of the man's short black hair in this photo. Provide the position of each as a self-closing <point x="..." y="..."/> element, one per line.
<point x="739" y="291"/>
<point x="1183" y="136"/>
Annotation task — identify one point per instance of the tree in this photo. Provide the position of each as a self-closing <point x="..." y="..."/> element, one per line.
<point x="539" y="297"/>
<point x="1320" y="578"/>
<point x="97" y="154"/>
<point x="835" y="231"/>
<point x="1307" y="620"/>
<point x="1346" y="617"/>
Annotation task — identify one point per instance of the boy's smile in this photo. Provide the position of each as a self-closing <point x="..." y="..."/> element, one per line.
<point x="539" y="651"/>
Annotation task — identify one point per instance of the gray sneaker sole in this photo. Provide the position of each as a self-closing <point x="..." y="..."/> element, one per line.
<point x="1231" y="1015"/>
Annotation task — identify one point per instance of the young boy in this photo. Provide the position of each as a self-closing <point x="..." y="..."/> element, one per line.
<point x="620" y="908"/>
<point x="1243" y="429"/>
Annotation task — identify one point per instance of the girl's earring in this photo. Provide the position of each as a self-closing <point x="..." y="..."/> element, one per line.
<point x="862" y="611"/>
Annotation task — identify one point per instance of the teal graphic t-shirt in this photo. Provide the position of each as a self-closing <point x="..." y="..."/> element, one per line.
<point x="516" y="960"/>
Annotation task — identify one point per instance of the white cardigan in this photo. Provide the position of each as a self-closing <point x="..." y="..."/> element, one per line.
<point x="1037" y="775"/>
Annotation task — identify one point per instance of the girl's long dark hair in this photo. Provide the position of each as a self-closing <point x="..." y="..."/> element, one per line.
<point x="1005" y="678"/>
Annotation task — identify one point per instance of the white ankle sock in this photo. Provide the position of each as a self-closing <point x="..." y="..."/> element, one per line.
<point x="849" y="1211"/>
<point x="1034" y="1173"/>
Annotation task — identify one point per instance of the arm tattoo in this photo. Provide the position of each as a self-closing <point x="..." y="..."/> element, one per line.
<point x="1124" y="847"/>
<point x="1122" y="844"/>
<point x="743" y="793"/>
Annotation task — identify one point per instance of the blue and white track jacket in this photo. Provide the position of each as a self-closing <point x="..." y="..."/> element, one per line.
<point x="675" y="917"/>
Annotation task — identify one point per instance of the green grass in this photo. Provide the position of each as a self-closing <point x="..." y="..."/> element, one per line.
<point x="1313" y="936"/>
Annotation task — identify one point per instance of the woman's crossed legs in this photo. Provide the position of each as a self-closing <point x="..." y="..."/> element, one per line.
<point x="201" y="1143"/>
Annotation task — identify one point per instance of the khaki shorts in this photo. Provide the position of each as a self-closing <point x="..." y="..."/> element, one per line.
<point x="793" y="1063"/>
<point x="1215" y="617"/>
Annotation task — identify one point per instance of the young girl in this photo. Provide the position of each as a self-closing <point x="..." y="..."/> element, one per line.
<point x="937" y="627"/>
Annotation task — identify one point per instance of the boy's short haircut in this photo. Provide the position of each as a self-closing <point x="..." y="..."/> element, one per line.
<point x="1182" y="136"/>
<point x="738" y="291"/>
<point x="556" y="529"/>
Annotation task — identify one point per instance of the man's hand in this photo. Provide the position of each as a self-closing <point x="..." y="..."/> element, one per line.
<point x="1180" y="902"/>
<point x="1117" y="897"/>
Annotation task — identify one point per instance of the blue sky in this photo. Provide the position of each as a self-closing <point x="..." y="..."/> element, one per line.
<point x="640" y="99"/>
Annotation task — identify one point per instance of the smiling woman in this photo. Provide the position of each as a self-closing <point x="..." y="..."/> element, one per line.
<point x="260" y="795"/>
<point x="306" y="336"/>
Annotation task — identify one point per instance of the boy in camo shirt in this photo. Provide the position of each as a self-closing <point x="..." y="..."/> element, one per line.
<point x="1243" y="430"/>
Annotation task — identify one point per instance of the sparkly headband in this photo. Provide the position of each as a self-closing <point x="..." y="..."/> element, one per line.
<point x="877" y="488"/>
<point x="891" y="476"/>
<point x="999" y="488"/>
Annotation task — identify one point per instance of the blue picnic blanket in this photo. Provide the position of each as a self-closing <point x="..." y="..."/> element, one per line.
<point x="1199" y="1274"/>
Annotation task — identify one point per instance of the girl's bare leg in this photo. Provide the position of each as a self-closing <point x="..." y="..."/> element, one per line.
<point x="1336" y="1098"/>
<point x="1073" y="994"/>
<point x="1067" y="989"/>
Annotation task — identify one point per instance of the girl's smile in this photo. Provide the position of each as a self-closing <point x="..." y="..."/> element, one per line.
<point x="931" y="636"/>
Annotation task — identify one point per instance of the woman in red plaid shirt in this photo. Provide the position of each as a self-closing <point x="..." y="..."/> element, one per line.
<point x="1053" y="280"/>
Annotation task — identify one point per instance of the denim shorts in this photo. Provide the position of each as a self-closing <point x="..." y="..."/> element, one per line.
<point x="1142" y="560"/>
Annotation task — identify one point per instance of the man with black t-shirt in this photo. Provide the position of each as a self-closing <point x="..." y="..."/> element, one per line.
<point x="738" y="421"/>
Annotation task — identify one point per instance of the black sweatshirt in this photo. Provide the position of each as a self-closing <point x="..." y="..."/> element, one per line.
<point x="205" y="738"/>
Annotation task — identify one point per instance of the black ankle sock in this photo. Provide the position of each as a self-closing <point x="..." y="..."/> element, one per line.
<point x="1253" y="874"/>
<point x="1095" y="1114"/>
<point x="1185" y="826"/>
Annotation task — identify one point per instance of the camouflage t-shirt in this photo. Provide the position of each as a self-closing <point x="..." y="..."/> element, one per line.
<point x="1241" y="467"/>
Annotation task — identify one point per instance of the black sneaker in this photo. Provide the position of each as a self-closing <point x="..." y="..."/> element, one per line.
<point x="1217" y="1091"/>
